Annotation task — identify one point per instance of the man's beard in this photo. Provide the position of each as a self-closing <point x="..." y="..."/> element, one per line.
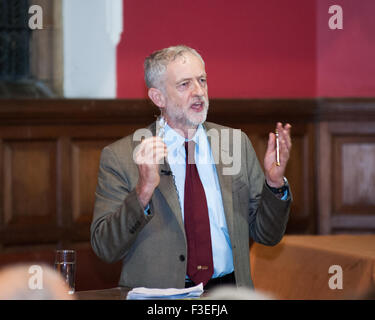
<point x="181" y="117"/>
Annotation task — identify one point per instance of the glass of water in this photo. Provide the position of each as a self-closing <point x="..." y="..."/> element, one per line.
<point x="65" y="264"/>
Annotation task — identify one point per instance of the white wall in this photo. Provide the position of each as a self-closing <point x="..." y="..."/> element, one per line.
<point x="91" y="32"/>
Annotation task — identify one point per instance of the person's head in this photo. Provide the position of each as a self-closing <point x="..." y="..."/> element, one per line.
<point x="17" y="282"/>
<point x="230" y="292"/>
<point x="177" y="83"/>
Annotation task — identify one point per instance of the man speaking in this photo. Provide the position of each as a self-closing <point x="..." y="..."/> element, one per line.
<point x="169" y="206"/>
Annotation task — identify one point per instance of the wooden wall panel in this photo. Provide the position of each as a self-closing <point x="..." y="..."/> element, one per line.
<point x="28" y="205"/>
<point x="358" y="183"/>
<point x="347" y="177"/>
<point x="300" y="171"/>
<point x="354" y="173"/>
<point x="29" y="182"/>
<point x="85" y="165"/>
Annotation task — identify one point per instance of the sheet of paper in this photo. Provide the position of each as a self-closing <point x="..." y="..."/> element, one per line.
<point x="142" y="293"/>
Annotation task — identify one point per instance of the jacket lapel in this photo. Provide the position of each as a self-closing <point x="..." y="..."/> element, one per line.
<point x="168" y="190"/>
<point x="167" y="187"/>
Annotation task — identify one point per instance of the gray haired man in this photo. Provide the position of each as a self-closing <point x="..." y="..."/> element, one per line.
<point x="148" y="211"/>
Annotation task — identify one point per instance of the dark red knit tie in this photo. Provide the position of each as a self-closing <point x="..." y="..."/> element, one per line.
<point x="197" y="224"/>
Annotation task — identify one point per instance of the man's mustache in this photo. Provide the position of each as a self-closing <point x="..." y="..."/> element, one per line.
<point x="202" y="100"/>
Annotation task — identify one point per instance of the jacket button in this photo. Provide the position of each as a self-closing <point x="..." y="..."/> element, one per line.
<point x="182" y="257"/>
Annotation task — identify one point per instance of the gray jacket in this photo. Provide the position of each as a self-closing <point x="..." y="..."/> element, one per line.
<point x="153" y="248"/>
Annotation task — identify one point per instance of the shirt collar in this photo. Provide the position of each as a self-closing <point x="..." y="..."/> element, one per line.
<point x="175" y="140"/>
<point x="176" y="148"/>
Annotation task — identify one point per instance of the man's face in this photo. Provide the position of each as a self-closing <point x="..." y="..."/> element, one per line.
<point x="185" y="92"/>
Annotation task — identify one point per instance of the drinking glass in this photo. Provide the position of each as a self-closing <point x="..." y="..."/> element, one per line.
<point x="65" y="264"/>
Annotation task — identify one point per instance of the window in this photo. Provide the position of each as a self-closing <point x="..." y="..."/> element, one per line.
<point x="14" y="40"/>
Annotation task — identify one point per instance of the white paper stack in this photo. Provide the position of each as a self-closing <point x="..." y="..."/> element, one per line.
<point x="143" y="293"/>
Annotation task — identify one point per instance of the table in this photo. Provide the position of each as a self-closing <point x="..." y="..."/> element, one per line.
<point x="118" y="293"/>
<point x="298" y="267"/>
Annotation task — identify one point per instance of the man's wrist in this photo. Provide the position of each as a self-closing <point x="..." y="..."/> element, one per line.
<point x="281" y="187"/>
<point x="144" y="193"/>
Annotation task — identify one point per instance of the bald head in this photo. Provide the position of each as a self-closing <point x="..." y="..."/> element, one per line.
<point x="32" y="282"/>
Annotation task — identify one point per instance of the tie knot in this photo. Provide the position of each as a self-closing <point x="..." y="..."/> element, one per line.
<point x="190" y="151"/>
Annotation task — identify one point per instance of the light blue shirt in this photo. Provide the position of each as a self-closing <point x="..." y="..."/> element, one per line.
<point x="221" y="245"/>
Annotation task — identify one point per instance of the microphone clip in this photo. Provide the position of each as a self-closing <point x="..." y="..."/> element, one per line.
<point x="166" y="172"/>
